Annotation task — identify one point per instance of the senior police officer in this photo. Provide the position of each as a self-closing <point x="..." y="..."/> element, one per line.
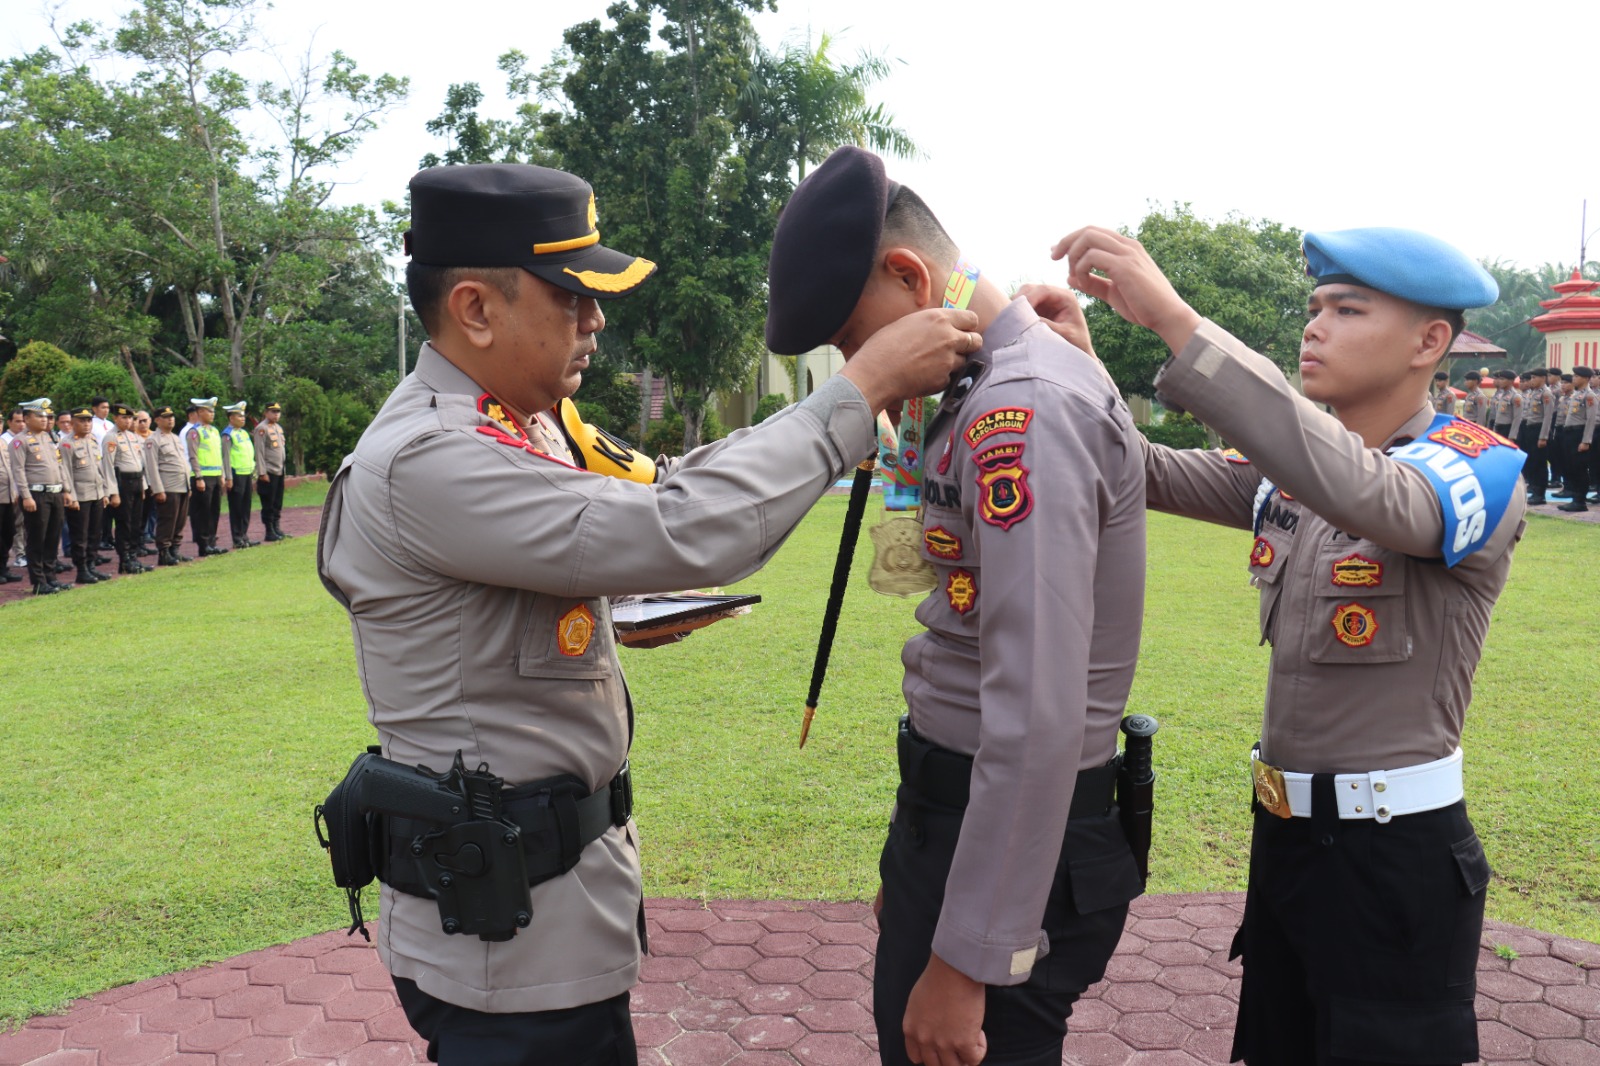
<point x="45" y="493"/>
<point x="1033" y="524"/>
<point x="166" y="469"/>
<point x="270" y="468"/>
<point x="84" y="464"/>
<point x="474" y="536"/>
<point x="1383" y="535"/>
<point x="238" y="474"/>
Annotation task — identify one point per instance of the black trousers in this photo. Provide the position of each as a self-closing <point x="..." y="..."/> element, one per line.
<point x="271" y="500"/>
<point x="1535" y="471"/>
<point x="8" y="532"/>
<point x="86" y="532"/>
<point x="42" y="527"/>
<point x="169" y="520"/>
<point x="1025" y="1024"/>
<point x="205" y="509"/>
<point x="129" y="513"/>
<point x="1360" y="940"/>
<point x="1574" y="464"/>
<point x="597" y="1034"/>
<point x="239" y="497"/>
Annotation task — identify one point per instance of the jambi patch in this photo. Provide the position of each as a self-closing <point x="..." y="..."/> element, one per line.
<point x="1004" y="497"/>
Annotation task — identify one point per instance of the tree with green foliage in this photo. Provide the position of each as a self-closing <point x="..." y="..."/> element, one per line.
<point x="1246" y="275"/>
<point x="474" y="139"/>
<point x="33" y="373"/>
<point x="1505" y="322"/>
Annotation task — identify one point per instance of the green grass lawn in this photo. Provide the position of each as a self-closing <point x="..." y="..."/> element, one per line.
<point x="168" y="736"/>
<point x="309" y="494"/>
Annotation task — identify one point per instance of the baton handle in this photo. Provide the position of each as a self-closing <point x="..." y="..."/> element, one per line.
<point x="1136" y="755"/>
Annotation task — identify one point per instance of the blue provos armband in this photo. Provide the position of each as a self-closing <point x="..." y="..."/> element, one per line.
<point x="1474" y="470"/>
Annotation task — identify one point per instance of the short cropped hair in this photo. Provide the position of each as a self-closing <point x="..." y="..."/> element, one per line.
<point x="429" y="286"/>
<point x="911" y="221"/>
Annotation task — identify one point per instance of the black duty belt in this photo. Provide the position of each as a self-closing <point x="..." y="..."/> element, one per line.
<point x="945" y="777"/>
<point x="556" y="818"/>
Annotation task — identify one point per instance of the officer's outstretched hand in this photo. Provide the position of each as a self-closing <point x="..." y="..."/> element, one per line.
<point x="1058" y="306"/>
<point x="1117" y="269"/>
<point x="943" y="1025"/>
<point x="913" y="356"/>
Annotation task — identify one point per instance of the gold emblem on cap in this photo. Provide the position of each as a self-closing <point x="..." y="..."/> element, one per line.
<point x="632" y="275"/>
<point x="592" y="237"/>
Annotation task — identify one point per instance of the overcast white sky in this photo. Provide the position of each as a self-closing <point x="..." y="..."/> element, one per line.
<point x="1473" y="121"/>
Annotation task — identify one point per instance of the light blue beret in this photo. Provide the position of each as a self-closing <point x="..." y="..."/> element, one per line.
<point x="1403" y="263"/>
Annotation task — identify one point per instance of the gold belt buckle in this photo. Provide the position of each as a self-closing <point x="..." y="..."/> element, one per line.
<point x="1271" y="792"/>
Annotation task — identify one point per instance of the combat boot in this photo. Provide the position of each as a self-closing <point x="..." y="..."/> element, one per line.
<point x="86" y="576"/>
<point x="164" y="558"/>
<point x="7" y="577"/>
<point x="47" y="589"/>
<point x="281" y="534"/>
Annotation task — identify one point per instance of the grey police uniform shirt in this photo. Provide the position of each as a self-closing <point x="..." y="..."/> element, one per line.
<point x="8" y="480"/>
<point x="82" y="458"/>
<point x="1505" y="409"/>
<point x="1348" y="529"/>
<point x="36" y="460"/>
<point x="1444" y="400"/>
<point x="124" y="454"/>
<point x="1475" y="406"/>
<point x="269" y="443"/>
<point x="1538" y="409"/>
<point x="166" y="465"/>
<point x="476" y="573"/>
<point x="1034" y="522"/>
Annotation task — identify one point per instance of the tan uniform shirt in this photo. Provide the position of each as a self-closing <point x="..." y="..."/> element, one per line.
<point x="124" y="454"/>
<point x="1506" y="410"/>
<point x="1034" y="521"/>
<point x="1444" y="400"/>
<point x="36" y="460"/>
<point x="476" y="574"/>
<point x="1538" y="409"/>
<point x="1347" y="526"/>
<point x="82" y="458"/>
<point x="166" y="467"/>
<point x="269" y="448"/>
<point x="1475" y="407"/>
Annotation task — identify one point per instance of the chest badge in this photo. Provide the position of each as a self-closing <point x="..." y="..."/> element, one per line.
<point x="574" y="631"/>
<point x="1355" y="626"/>
<point x="1357" y="571"/>
<point x="961" y="589"/>
<point x="898" y="569"/>
<point x="1261" y="553"/>
<point x="941" y="543"/>
<point x="1005" y="497"/>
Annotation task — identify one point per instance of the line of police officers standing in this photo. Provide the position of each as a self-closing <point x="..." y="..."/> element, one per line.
<point x="103" y="483"/>
<point x="1552" y="416"/>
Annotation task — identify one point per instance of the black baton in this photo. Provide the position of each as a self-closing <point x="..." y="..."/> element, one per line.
<point x="1136" y="786"/>
<point x="859" y="488"/>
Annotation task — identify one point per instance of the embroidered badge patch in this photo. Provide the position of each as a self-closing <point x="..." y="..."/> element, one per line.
<point x="941" y="543"/>
<point x="1354" y="625"/>
<point x="1234" y="455"/>
<point x="1005" y="497"/>
<point x="574" y="631"/>
<point x="961" y="588"/>
<point x="1468" y="438"/>
<point x="1261" y="553"/>
<point x="1357" y="571"/>
<point x="1000" y="420"/>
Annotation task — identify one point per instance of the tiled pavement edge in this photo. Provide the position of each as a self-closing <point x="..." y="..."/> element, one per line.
<point x="776" y="984"/>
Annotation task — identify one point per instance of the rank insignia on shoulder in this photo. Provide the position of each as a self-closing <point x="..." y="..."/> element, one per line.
<point x="1355" y="626"/>
<point x="1468" y="438"/>
<point x="1261" y="553"/>
<point x="961" y="588"/>
<point x="574" y="631"/>
<point x="1005" y="498"/>
<point x="941" y="543"/>
<point x="1000" y="420"/>
<point x="1357" y="571"/>
<point x="1234" y="455"/>
<point x="496" y="433"/>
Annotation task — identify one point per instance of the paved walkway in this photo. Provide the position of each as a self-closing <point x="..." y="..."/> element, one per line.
<point x="776" y="984"/>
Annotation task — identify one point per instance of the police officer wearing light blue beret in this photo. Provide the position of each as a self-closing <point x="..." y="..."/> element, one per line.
<point x="1379" y="538"/>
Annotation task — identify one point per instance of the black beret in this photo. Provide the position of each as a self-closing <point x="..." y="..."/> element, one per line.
<point x="1582" y="372"/>
<point x="1473" y="375"/>
<point x="1566" y="377"/>
<point x="1441" y="376"/>
<point x="824" y="248"/>
<point x="1506" y="375"/>
<point x="518" y="215"/>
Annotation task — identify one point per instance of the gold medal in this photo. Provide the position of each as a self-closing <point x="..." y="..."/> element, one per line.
<point x="898" y="568"/>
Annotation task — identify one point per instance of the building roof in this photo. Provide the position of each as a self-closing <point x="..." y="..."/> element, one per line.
<point x="1470" y="343"/>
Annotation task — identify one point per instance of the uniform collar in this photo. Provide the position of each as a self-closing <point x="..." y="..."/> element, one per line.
<point x="441" y="375"/>
<point x="1413" y="427"/>
<point x="1012" y="321"/>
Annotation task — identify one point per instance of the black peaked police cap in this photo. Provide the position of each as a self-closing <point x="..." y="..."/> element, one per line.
<point x="518" y="215"/>
<point x="824" y="248"/>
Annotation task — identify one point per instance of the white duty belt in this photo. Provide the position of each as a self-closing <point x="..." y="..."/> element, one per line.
<point x="1380" y="794"/>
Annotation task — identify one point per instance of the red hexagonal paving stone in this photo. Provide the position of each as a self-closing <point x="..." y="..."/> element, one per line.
<point x="384" y="1053"/>
<point x="775" y="945"/>
<point x="391" y="1025"/>
<point x="1568" y="1053"/>
<point x="1139" y="996"/>
<point x="1525" y="944"/>
<point x="177" y="1016"/>
<point x="785" y="970"/>
<point x="834" y="1016"/>
<point x="1540" y="1020"/>
<point x="1214" y="939"/>
<point x="258" y="1051"/>
<point x="762" y="1058"/>
<point x="736" y="932"/>
<point x="678" y="943"/>
<point x="1177" y="953"/>
<point x="373" y="979"/>
<point x="844" y="912"/>
<point x="330" y="1038"/>
<point x="837" y="984"/>
<point x="1192" y="980"/>
<point x="719" y="984"/>
<point x="1091" y="1016"/>
<point x="669" y="903"/>
<point x="1498" y="1042"/>
<point x="1165" y="1058"/>
<point x="317" y="988"/>
<point x="657" y="998"/>
<point x="654" y="1030"/>
<point x="1484" y="1008"/>
<point x="1124" y="968"/>
<point x="357" y="1006"/>
<point x="845" y="933"/>
<point x="99" y="1032"/>
<point x="1096" y="1049"/>
<point x="1204" y="1012"/>
<point x="684" y="921"/>
<point x="1210" y="916"/>
<point x="211" y="1037"/>
<point x="774" y="999"/>
<point x="79" y="1012"/>
<point x="280" y="970"/>
<point x="1151" y="1031"/>
<point x="1548" y="971"/>
<point x="346" y="960"/>
<point x="649" y="1056"/>
<point x="212" y="984"/>
<point x="700" y="1049"/>
<point x="1577" y="952"/>
<point x="25" y="1045"/>
<point x="710" y="1015"/>
<point x="1579" y="1000"/>
<point x="248" y="1002"/>
<point x="838" y="957"/>
<point x="768" y="1032"/>
<point x="1154" y="929"/>
<point x="1506" y="987"/>
<point x="140" y="1049"/>
<point x="1129" y="944"/>
<point x="833" y="1049"/>
<point x="1210" y="1045"/>
<point x="287" y="1020"/>
<point x="67" y="1057"/>
<point x="667" y="968"/>
<point x="728" y="957"/>
<point x="790" y="921"/>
